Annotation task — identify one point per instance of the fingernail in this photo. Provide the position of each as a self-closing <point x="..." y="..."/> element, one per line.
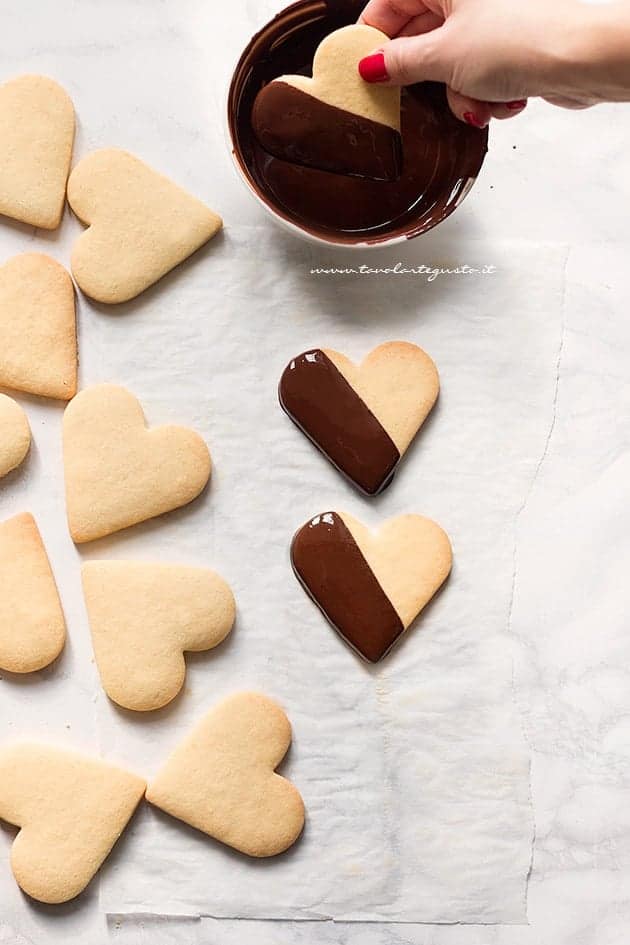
<point x="474" y="120"/>
<point x="516" y="106"/>
<point x="373" y="68"/>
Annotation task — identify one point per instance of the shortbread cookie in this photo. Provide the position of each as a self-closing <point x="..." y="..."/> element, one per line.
<point x="143" y="617"/>
<point x="118" y="472"/>
<point x="70" y="810"/>
<point x="371" y="585"/>
<point x="222" y="778"/>
<point x="15" y="435"/>
<point x="334" y="121"/>
<point x="36" y="137"/>
<point x="363" y="417"/>
<point x="32" y="625"/>
<point x="140" y="225"/>
<point x="38" y="335"/>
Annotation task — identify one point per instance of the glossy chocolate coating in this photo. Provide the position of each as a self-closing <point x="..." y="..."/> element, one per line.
<point x="292" y="125"/>
<point x="441" y="156"/>
<point x="327" y="408"/>
<point x="329" y="565"/>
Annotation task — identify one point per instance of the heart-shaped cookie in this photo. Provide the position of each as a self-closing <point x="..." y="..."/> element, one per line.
<point x="36" y="137"/>
<point x="38" y="336"/>
<point x="334" y="121"/>
<point x="222" y="778"/>
<point x="363" y="417"/>
<point x="117" y="471"/>
<point x="140" y="225"/>
<point x="371" y="585"/>
<point x="32" y="625"/>
<point x="143" y="617"/>
<point x="15" y="435"/>
<point x="71" y="811"/>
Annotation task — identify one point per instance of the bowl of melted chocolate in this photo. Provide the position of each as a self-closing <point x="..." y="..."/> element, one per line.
<point x="393" y="189"/>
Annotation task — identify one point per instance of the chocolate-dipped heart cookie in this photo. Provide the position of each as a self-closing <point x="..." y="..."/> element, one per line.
<point x="334" y="121"/>
<point x="371" y="586"/>
<point x="363" y="417"/>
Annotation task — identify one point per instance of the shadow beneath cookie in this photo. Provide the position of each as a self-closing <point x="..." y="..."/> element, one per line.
<point x="148" y="297"/>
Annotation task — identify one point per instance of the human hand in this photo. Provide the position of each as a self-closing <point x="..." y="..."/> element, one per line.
<point x="492" y="54"/>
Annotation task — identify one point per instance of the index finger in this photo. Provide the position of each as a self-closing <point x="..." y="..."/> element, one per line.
<point x="391" y="16"/>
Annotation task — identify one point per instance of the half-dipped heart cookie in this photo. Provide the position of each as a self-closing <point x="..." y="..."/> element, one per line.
<point x="222" y="778"/>
<point x="371" y="585"/>
<point x="70" y="810"/>
<point x="334" y="121"/>
<point x="362" y="417"/>
<point x="118" y="472"/>
<point x="143" y="617"/>
<point x="140" y="225"/>
<point x="36" y="137"/>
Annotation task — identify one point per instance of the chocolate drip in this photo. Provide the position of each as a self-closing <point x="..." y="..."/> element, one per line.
<point x="327" y="408"/>
<point x="297" y="127"/>
<point x="441" y="155"/>
<point x="329" y="565"/>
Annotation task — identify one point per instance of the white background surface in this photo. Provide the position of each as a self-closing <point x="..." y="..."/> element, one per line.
<point x="151" y="77"/>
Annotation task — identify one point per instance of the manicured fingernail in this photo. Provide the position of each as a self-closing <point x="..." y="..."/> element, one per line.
<point x="373" y="68"/>
<point x="474" y="120"/>
<point x="516" y="106"/>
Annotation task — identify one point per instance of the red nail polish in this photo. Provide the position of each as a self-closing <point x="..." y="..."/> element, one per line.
<point x="373" y="68"/>
<point x="516" y="106"/>
<point x="472" y="119"/>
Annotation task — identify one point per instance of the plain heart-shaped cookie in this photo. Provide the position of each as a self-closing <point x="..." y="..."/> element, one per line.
<point x="362" y="417"/>
<point x="334" y="121"/>
<point x="222" y="778"/>
<point x="118" y="472"/>
<point x="143" y="617"/>
<point x="32" y="625"/>
<point x="38" y="335"/>
<point x="140" y="225"/>
<point x="15" y="435"/>
<point x="36" y="137"/>
<point x="371" y="585"/>
<point x="70" y="810"/>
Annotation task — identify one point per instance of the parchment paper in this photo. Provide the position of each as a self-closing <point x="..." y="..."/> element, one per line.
<point x="414" y="773"/>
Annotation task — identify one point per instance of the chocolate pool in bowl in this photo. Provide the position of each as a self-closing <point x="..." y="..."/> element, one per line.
<point x="441" y="155"/>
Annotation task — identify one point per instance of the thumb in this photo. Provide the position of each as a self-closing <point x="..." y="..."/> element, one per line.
<point x="408" y="59"/>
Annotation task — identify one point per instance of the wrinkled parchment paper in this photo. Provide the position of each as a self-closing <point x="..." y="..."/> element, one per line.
<point x="414" y="772"/>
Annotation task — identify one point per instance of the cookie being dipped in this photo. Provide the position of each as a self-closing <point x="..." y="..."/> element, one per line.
<point x="334" y="121"/>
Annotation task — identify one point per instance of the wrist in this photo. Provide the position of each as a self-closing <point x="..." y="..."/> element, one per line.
<point x="592" y="62"/>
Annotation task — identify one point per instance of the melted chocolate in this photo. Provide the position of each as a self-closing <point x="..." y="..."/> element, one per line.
<point x="327" y="408"/>
<point x="441" y="155"/>
<point x="292" y="125"/>
<point x="329" y="565"/>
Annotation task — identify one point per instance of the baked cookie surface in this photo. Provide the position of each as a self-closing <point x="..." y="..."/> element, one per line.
<point x="140" y="225"/>
<point x="15" y="435"/>
<point x="117" y="471"/>
<point x="143" y="617"/>
<point x="222" y="778"/>
<point x="71" y="810"/>
<point x="36" y="138"/>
